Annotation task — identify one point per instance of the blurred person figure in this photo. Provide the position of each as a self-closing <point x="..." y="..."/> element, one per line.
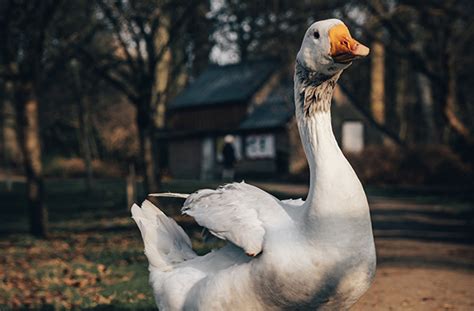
<point x="229" y="159"/>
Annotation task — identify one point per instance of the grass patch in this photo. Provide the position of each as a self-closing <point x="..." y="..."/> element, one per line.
<point x="94" y="258"/>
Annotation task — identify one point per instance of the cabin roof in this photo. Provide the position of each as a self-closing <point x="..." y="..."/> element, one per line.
<point x="225" y="84"/>
<point x="275" y="111"/>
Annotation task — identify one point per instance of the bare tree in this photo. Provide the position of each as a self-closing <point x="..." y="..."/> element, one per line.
<point x="85" y="122"/>
<point x="139" y="61"/>
<point x="435" y="53"/>
<point x="24" y="25"/>
<point x="256" y="29"/>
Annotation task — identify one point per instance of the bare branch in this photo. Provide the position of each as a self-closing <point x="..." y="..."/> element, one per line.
<point x="136" y="37"/>
<point x="175" y="28"/>
<point x="407" y="41"/>
<point x="118" y="31"/>
<point x="106" y="73"/>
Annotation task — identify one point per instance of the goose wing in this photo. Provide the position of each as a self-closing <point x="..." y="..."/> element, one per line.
<point x="236" y="212"/>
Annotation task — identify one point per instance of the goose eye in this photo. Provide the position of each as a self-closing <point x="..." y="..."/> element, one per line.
<point x="316" y="34"/>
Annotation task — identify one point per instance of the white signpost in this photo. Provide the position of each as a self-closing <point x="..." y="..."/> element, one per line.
<point x="353" y="136"/>
<point x="260" y="146"/>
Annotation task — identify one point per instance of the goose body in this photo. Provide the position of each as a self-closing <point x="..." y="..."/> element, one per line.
<point x="281" y="255"/>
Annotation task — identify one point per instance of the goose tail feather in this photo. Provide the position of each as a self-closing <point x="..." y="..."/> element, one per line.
<point x="166" y="243"/>
<point x="170" y="195"/>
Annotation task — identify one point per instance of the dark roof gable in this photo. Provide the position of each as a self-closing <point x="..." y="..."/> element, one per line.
<point x="275" y="111"/>
<point x="224" y="84"/>
<point x="268" y="115"/>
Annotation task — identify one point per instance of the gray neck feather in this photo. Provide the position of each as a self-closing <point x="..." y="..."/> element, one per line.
<point x="314" y="89"/>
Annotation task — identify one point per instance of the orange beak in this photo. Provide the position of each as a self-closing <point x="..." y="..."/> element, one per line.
<point x="343" y="47"/>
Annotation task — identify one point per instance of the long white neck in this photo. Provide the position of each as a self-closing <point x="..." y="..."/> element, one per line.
<point x="332" y="180"/>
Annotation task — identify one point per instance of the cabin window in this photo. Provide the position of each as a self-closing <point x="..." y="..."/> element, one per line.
<point x="353" y="136"/>
<point x="260" y="146"/>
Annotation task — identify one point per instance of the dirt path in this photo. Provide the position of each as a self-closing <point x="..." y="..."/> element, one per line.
<point x="425" y="257"/>
<point x="401" y="284"/>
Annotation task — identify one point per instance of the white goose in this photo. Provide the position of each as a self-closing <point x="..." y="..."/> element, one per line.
<point x="281" y="255"/>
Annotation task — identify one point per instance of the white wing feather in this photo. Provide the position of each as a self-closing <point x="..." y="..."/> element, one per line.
<point x="233" y="212"/>
<point x="166" y="243"/>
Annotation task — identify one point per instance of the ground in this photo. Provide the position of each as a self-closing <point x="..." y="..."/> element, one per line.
<point x="425" y="258"/>
<point x="94" y="257"/>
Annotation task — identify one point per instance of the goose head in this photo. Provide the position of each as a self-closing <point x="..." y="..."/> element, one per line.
<point x="329" y="48"/>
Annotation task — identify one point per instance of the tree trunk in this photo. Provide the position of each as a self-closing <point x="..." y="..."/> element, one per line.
<point x="147" y="159"/>
<point x="131" y="186"/>
<point x="454" y="122"/>
<point x="200" y="26"/>
<point x="377" y="84"/>
<point x="85" y="125"/>
<point x="11" y="147"/>
<point x="427" y="107"/>
<point x="401" y="99"/>
<point x="28" y="122"/>
<point x="169" y="79"/>
<point x="463" y="142"/>
<point x="11" y="150"/>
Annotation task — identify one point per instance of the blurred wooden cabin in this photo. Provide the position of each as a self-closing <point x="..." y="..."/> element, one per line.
<point x="253" y="101"/>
